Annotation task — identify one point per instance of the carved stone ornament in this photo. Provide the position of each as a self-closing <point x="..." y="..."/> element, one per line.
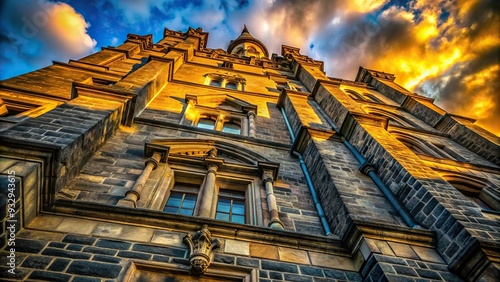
<point x="201" y="247"/>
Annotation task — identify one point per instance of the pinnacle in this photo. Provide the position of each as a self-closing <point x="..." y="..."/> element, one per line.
<point x="245" y="29"/>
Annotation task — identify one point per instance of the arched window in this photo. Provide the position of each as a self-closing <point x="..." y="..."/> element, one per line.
<point x="372" y="98"/>
<point x="416" y="145"/>
<point x="476" y="190"/>
<point x="354" y="94"/>
<point x="394" y="118"/>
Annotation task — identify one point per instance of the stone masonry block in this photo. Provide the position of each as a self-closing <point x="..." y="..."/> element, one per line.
<point x="331" y="261"/>
<point x="70" y="238"/>
<point x="111" y="244"/>
<point x="159" y="250"/>
<point x="29" y="246"/>
<point x="293" y="255"/>
<point x="96" y="269"/>
<point x="38" y="262"/>
<point x="236" y="247"/>
<point x="403" y="250"/>
<point x="263" y="251"/>
<point x="125" y="232"/>
<point x="76" y="225"/>
<point x="297" y="278"/>
<point x="65" y="253"/>
<point x="49" y="276"/>
<point x="427" y="254"/>
<point x="254" y="263"/>
<point x="279" y="266"/>
<point x="312" y="271"/>
<point x="168" y="238"/>
<point x="59" y="264"/>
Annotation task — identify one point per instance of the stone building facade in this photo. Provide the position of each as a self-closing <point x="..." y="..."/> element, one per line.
<point x="171" y="161"/>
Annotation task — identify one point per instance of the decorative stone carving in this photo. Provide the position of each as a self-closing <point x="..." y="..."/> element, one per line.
<point x="168" y="32"/>
<point x="212" y="153"/>
<point x="201" y="247"/>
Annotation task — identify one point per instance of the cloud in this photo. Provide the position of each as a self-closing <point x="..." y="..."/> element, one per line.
<point x="444" y="49"/>
<point x="33" y="33"/>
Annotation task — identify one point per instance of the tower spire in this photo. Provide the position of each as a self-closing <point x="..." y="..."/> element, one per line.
<point x="247" y="45"/>
<point x="245" y="29"/>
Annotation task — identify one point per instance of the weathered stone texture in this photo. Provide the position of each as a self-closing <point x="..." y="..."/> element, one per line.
<point x="85" y="148"/>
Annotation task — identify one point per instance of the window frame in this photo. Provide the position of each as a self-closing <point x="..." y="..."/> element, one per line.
<point x="232" y="197"/>
<point x="224" y="80"/>
<point x="181" y="190"/>
<point x="221" y="117"/>
<point x="251" y="185"/>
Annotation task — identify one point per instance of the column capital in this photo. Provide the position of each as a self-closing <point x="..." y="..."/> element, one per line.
<point x="213" y="163"/>
<point x="267" y="176"/>
<point x="153" y="161"/>
<point x="366" y="168"/>
<point x="269" y="170"/>
<point x="251" y="114"/>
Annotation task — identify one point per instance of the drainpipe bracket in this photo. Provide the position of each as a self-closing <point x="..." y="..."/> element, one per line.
<point x="366" y="167"/>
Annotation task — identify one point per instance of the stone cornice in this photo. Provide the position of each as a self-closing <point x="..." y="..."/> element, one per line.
<point x="87" y="70"/>
<point x="246" y="139"/>
<point x="152" y="218"/>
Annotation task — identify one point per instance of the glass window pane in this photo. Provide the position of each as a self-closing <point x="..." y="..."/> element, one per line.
<point x="222" y="216"/>
<point x="170" y="209"/>
<point x="186" y="211"/>
<point x="174" y="200"/>
<point x="189" y="201"/>
<point x="238" y="208"/>
<point x="206" y="123"/>
<point x="231" y="128"/>
<point x="215" y="82"/>
<point x="231" y="86"/>
<point x="238" y="218"/>
<point x="224" y="205"/>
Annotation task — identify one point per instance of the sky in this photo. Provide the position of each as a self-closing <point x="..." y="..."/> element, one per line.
<point x="448" y="50"/>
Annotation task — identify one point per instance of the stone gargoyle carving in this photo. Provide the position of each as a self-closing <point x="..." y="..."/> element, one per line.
<point x="201" y="247"/>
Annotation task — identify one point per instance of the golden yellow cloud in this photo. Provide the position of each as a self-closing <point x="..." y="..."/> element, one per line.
<point x="69" y="29"/>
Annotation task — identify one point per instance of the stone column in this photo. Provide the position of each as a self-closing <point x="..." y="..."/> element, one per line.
<point x="251" y="123"/>
<point x="267" y="179"/>
<point x="219" y="123"/>
<point x="244" y="127"/>
<point x="134" y="194"/>
<point x="213" y="164"/>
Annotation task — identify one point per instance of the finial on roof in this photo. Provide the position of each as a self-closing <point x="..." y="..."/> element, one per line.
<point x="245" y="29"/>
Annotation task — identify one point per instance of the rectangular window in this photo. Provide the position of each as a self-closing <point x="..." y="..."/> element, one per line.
<point x="207" y="123"/>
<point x="231" y="206"/>
<point x="216" y="82"/>
<point x="182" y="200"/>
<point x="231" y="85"/>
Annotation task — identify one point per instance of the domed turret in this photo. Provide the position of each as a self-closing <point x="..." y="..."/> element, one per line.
<point x="246" y="45"/>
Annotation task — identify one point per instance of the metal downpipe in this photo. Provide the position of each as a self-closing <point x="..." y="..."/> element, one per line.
<point x="312" y="189"/>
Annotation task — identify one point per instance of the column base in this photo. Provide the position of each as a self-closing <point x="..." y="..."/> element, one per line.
<point x="126" y="203"/>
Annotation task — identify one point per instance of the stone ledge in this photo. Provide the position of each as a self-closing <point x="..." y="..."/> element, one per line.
<point x="159" y="219"/>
